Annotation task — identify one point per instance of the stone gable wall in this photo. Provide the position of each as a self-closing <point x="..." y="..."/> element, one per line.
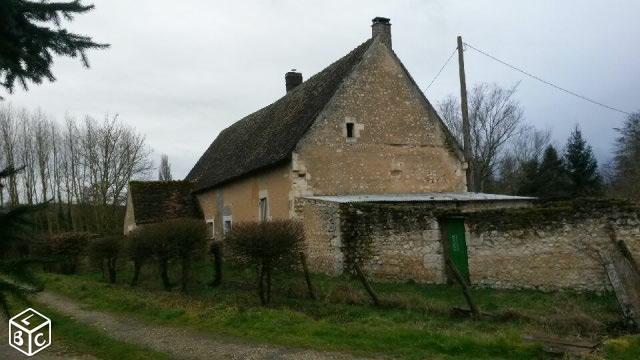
<point x="398" y="145"/>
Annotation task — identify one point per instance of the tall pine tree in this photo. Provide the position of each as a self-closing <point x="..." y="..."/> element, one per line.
<point x="582" y="167"/>
<point x="31" y="33"/>
<point x="528" y="184"/>
<point x="551" y="176"/>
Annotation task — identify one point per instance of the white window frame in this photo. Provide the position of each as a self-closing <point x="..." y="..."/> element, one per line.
<point x="227" y="219"/>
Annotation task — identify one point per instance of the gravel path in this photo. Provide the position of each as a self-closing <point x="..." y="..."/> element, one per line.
<point x="56" y="351"/>
<point x="178" y="342"/>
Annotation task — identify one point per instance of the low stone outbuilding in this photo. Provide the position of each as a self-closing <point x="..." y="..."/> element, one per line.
<point x="151" y="202"/>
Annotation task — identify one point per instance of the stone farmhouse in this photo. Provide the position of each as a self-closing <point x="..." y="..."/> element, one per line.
<point x="358" y="149"/>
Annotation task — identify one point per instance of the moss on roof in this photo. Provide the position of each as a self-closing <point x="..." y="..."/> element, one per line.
<point x="156" y="201"/>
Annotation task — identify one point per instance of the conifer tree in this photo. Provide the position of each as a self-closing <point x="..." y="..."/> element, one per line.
<point x="31" y="33"/>
<point x="551" y="177"/>
<point x="528" y="184"/>
<point x="15" y="274"/>
<point x="582" y="167"/>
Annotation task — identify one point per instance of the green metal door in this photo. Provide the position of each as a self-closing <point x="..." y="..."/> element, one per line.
<point x="458" y="246"/>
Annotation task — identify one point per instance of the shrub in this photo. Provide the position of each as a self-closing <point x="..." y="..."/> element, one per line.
<point x="183" y="239"/>
<point x="216" y="250"/>
<point x="139" y="249"/>
<point x="66" y="250"/>
<point x="189" y="239"/>
<point x="104" y="251"/>
<point x="268" y="246"/>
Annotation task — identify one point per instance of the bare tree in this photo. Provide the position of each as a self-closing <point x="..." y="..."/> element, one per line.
<point x="8" y="132"/>
<point x="495" y="117"/>
<point x="164" y="172"/>
<point x="527" y="146"/>
<point x="625" y="173"/>
<point x="87" y="164"/>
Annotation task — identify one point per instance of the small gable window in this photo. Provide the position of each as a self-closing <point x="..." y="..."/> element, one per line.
<point x="350" y="134"/>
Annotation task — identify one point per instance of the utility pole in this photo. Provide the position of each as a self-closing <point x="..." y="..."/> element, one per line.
<point x="466" y="130"/>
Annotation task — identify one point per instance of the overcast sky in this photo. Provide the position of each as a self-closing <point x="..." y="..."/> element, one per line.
<point x="180" y="72"/>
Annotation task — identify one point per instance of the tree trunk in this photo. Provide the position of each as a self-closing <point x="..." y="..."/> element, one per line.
<point x="186" y="272"/>
<point x="268" y="283"/>
<point x="137" y="266"/>
<point x="217" y="258"/>
<point x="365" y="283"/>
<point x="111" y="263"/>
<point x="164" y="273"/>
<point x="307" y="275"/>
<point x="475" y="312"/>
<point x="263" y="301"/>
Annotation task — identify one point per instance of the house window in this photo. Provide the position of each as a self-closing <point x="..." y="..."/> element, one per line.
<point x="350" y="134"/>
<point x="264" y="209"/>
<point x="210" y="228"/>
<point x="227" y="224"/>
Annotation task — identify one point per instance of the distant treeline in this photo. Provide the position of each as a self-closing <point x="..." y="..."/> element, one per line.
<point x="81" y="168"/>
<point x="510" y="156"/>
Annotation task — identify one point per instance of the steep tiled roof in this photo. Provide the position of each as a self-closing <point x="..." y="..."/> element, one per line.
<point x="269" y="135"/>
<point x="156" y="201"/>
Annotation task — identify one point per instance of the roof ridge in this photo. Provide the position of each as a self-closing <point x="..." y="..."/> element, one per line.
<point x="269" y="135"/>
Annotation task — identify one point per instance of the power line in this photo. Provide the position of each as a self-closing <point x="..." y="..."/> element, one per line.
<point x="442" y="68"/>
<point x="548" y="82"/>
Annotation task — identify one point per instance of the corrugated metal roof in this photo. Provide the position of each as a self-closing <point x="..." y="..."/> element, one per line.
<point x="424" y="197"/>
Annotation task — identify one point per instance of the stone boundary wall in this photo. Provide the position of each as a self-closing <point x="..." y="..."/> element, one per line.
<point x="322" y="232"/>
<point x="547" y="246"/>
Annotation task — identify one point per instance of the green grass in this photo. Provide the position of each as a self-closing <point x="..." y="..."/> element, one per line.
<point x="623" y="348"/>
<point x="84" y="339"/>
<point x="415" y="322"/>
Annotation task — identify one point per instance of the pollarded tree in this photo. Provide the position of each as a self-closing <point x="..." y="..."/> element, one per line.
<point x="582" y="166"/>
<point x="27" y="44"/>
<point x="267" y="246"/>
<point x="104" y="252"/>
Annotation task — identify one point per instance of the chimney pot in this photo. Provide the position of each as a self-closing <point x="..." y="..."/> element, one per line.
<point x="292" y="79"/>
<point x="380" y="26"/>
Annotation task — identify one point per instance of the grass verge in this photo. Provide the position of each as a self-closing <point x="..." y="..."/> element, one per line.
<point x="414" y="323"/>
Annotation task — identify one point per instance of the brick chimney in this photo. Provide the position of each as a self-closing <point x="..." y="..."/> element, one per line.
<point x="382" y="27"/>
<point x="292" y="79"/>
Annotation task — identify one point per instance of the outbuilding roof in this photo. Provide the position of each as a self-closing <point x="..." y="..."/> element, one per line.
<point x="423" y="197"/>
<point x="157" y="201"/>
